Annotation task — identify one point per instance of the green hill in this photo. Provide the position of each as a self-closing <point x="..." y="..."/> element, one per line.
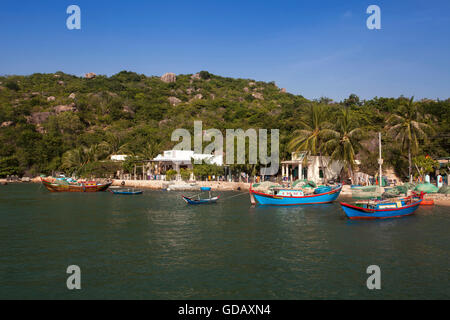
<point x="45" y="116"/>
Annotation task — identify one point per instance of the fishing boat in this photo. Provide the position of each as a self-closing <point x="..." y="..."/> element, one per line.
<point x="129" y="192"/>
<point x="384" y="209"/>
<point x="294" y="197"/>
<point x="197" y="200"/>
<point x="68" y="185"/>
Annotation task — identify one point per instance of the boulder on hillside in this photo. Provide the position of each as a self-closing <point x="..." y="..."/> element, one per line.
<point x="258" y="95"/>
<point x="128" y="109"/>
<point x="34" y="94"/>
<point x="197" y="97"/>
<point x="6" y="124"/>
<point x="174" y="101"/>
<point x="51" y="98"/>
<point x="283" y="90"/>
<point x="90" y="75"/>
<point x="246" y="89"/>
<point x="196" y="76"/>
<point x="72" y="96"/>
<point x="65" y="108"/>
<point x="61" y="83"/>
<point x="39" y="117"/>
<point x="169" y="77"/>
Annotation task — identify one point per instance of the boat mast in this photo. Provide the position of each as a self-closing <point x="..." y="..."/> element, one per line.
<point x="380" y="162"/>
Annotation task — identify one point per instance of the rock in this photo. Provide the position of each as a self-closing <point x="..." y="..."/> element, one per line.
<point x="51" y="98"/>
<point x="246" y="89"/>
<point x="61" y="83"/>
<point x="72" y="96"/>
<point x="169" y="77"/>
<point x="190" y="90"/>
<point x="90" y="75"/>
<point x="283" y="90"/>
<point x="174" y="101"/>
<point x="257" y="95"/>
<point x="252" y="84"/>
<point x="34" y="94"/>
<point x="39" y="117"/>
<point x="6" y="124"/>
<point x="128" y="109"/>
<point x="64" y="108"/>
<point x="196" y="76"/>
<point x="57" y="76"/>
<point x="197" y="97"/>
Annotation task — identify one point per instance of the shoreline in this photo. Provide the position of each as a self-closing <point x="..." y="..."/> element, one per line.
<point x="438" y="198"/>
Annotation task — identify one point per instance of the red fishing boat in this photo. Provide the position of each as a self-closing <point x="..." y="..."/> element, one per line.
<point x="63" y="185"/>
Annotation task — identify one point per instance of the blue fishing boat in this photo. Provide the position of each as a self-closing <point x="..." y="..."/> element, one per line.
<point x="292" y="197"/>
<point x="130" y="192"/>
<point x="382" y="209"/>
<point x="200" y="201"/>
<point x="197" y="200"/>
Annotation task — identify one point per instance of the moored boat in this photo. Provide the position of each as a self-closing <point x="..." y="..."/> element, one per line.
<point x="382" y="209"/>
<point x="63" y="185"/>
<point x="293" y="197"/>
<point x="197" y="200"/>
<point x="129" y="192"/>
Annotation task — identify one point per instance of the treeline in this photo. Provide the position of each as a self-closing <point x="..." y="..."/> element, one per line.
<point x="52" y="122"/>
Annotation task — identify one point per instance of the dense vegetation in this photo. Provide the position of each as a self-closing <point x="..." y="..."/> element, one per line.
<point x="44" y="127"/>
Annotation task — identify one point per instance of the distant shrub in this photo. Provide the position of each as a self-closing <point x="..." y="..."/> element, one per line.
<point x="12" y="85"/>
<point x="171" y="174"/>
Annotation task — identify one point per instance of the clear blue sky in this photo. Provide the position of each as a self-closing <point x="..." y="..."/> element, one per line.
<point x="313" y="48"/>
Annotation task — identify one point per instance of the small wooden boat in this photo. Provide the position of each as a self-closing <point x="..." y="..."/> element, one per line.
<point x="91" y="186"/>
<point x="197" y="200"/>
<point x="200" y="201"/>
<point x="129" y="192"/>
<point x="292" y="197"/>
<point x="382" y="209"/>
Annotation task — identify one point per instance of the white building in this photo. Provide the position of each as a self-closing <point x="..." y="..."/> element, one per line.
<point x="310" y="168"/>
<point x="183" y="159"/>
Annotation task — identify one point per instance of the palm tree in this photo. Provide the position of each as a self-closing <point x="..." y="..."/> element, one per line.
<point x="311" y="137"/>
<point x="344" y="143"/>
<point x="407" y="129"/>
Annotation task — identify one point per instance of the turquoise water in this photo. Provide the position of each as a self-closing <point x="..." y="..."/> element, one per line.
<point x="154" y="246"/>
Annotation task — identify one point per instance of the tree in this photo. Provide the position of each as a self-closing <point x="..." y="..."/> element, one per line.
<point x="344" y="143"/>
<point x="311" y="137"/>
<point x="407" y="128"/>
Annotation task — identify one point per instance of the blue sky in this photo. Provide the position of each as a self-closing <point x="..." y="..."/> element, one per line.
<point x="313" y="48"/>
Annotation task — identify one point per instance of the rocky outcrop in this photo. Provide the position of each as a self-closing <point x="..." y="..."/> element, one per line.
<point x="61" y="83"/>
<point x="169" y="77"/>
<point x="90" y="75"/>
<point x="258" y="95"/>
<point x="246" y="89"/>
<point x="174" y="101"/>
<point x="39" y="117"/>
<point x="283" y="90"/>
<point x="65" y="108"/>
<point x="6" y="124"/>
<point x="197" y="97"/>
<point x="51" y="98"/>
<point x="72" y="96"/>
<point x="34" y="94"/>
<point x="196" y="76"/>
<point x="128" y="109"/>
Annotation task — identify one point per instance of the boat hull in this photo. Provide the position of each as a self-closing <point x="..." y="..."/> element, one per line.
<point x="274" y="200"/>
<point x="53" y="187"/>
<point x="201" y="201"/>
<point x="353" y="212"/>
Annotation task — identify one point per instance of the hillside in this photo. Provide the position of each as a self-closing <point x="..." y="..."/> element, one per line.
<point x="44" y="116"/>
